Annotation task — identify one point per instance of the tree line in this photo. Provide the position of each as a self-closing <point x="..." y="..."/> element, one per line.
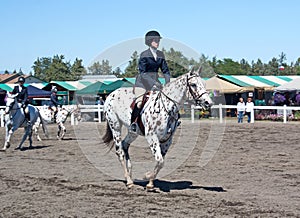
<point x="57" y="68"/>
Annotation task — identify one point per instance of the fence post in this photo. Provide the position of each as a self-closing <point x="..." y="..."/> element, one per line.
<point x="252" y="115"/>
<point x="72" y="119"/>
<point x="99" y="113"/>
<point x="284" y="113"/>
<point x="2" y="118"/>
<point x="220" y="113"/>
<point x="192" y="113"/>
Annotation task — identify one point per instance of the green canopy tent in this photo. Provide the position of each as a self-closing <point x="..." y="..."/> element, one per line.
<point x="106" y="89"/>
<point x="92" y="89"/>
<point x="6" y="87"/>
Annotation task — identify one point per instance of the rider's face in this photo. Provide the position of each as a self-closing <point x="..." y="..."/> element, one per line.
<point x="155" y="43"/>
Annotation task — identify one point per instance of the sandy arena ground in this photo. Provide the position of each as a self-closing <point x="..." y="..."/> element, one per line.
<point x="213" y="170"/>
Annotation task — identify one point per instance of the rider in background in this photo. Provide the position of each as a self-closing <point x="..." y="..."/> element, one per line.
<point x="22" y="97"/>
<point x="151" y="60"/>
<point x="54" y="102"/>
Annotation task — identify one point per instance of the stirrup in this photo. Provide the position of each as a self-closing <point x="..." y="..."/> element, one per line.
<point x="133" y="127"/>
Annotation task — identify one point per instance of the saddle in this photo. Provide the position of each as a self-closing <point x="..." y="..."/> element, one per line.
<point x="136" y="112"/>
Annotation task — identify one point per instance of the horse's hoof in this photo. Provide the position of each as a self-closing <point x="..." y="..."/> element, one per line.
<point x="18" y="148"/>
<point x="3" y="150"/>
<point x="130" y="185"/>
<point x="150" y="188"/>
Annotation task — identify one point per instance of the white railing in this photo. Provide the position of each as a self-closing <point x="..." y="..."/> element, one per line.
<point x="2" y="114"/>
<point x="282" y="109"/>
<point x="99" y="109"/>
<point x="88" y="109"/>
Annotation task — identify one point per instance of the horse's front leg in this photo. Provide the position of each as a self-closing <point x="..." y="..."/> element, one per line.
<point x="9" y="132"/>
<point x="60" y="131"/>
<point x="156" y="151"/>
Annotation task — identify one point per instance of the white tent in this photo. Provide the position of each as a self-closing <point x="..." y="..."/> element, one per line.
<point x="290" y="86"/>
<point x="223" y="86"/>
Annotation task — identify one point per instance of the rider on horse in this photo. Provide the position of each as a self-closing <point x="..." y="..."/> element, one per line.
<point x="22" y="97"/>
<point x="151" y="60"/>
<point x="54" y="102"/>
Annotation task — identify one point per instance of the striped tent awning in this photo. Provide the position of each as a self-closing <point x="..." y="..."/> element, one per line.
<point x="7" y="87"/>
<point x="265" y="82"/>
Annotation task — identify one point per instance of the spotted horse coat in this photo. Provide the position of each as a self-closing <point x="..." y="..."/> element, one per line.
<point x="160" y="118"/>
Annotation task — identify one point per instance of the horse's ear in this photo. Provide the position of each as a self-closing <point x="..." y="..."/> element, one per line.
<point x="192" y="70"/>
<point x="199" y="70"/>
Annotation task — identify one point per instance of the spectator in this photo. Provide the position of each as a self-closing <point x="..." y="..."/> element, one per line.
<point x="249" y="108"/>
<point x="240" y="110"/>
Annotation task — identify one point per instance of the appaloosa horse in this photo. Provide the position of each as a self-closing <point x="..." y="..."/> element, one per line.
<point x="15" y="118"/>
<point x="159" y="119"/>
<point x="61" y="117"/>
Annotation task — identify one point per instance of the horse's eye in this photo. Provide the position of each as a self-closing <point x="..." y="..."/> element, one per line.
<point x="193" y="85"/>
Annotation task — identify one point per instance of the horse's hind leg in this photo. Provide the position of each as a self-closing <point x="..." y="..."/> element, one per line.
<point x="27" y="132"/>
<point x="36" y="130"/>
<point x="30" y="137"/>
<point x="130" y="137"/>
<point x="122" y="152"/>
<point x="63" y="131"/>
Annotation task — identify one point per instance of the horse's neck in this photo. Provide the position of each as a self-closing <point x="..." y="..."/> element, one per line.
<point x="176" y="90"/>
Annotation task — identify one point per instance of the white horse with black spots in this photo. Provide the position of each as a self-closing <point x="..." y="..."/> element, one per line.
<point x="159" y="118"/>
<point x="61" y="117"/>
<point x="15" y="118"/>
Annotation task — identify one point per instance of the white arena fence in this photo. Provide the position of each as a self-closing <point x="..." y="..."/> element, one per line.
<point x="83" y="109"/>
<point x="284" y="110"/>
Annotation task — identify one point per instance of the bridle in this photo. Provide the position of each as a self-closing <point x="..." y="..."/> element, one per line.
<point x="195" y="98"/>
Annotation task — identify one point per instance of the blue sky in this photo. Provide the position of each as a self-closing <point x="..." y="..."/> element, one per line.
<point x="226" y="29"/>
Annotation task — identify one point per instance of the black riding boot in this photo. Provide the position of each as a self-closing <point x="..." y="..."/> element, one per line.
<point x="54" y="118"/>
<point x="135" y="113"/>
<point x="27" y="117"/>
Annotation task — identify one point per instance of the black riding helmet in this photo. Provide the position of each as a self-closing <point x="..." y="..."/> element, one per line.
<point x="150" y="36"/>
<point x="21" y="79"/>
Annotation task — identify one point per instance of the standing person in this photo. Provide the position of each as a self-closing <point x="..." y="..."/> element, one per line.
<point x="151" y="60"/>
<point x="249" y="108"/>
<point x="22" y="97"/>
<point x="54" y="102"/>
<point x="240" y="110"/>
<point x="101" y="102"/>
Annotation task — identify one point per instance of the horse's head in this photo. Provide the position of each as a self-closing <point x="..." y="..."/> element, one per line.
<point x="197" y="89"/>
<point x="73" y="109"/>
<point x="10" y="100"/>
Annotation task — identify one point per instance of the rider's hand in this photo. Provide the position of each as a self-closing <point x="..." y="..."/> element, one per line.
<point x="157" y="86"/>
<point x="23" y="105"/>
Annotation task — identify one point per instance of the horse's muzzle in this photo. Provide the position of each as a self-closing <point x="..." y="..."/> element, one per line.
<point x="204" y="104"/>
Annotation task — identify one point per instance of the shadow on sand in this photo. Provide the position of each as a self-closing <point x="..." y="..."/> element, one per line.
<point x="33" y="147"/>
<point x="167" y="186"/>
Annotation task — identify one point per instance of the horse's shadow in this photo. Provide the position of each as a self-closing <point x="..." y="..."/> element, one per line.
<point x="167" y="186"/>
<point x="33" y="147"/>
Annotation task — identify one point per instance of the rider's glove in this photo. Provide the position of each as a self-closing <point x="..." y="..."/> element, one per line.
<point x="167" y="78"/>
<point x="156" y="87"/>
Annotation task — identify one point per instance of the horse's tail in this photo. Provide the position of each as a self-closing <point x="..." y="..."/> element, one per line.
<point x="108" y="136"/>
<point x="44" y="126"/>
